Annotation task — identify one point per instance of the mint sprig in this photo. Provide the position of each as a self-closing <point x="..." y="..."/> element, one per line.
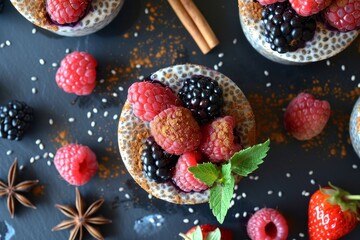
<point x="198" y="235"/>
<point x="221" y="179"/>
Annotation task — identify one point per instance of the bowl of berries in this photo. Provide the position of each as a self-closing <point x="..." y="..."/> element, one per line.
<point x="300" y="31"/>
<point x="187" y="132"/>
<point x="72" y="18"/>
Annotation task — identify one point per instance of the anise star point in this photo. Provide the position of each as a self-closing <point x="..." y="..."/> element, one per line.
<point x="12" y="190"/>
<point x="80" y="219"/>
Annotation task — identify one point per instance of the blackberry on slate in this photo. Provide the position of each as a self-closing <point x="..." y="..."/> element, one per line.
<point x="203" y="96"/>
<point x="157" y="163"/>
<point x="15" y="118"/>
<point x="285" y="30"/>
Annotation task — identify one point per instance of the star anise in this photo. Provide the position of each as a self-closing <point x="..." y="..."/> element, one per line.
<point x="12" y="191"/>
<point x="80" y="219"/>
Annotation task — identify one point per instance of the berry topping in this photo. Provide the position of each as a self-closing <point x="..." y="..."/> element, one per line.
<point x="15" y="119"/>
<point x="344" y="15"/>
<point x="150" y="98"/>
<point x="267" y="223"/>
<point x="67" y="12"/>
<point x="333" y="213"/>
<point x="76" y="163"/>
<point x="77" y="73"/>
<point x="309" y="7"/>
<point x="157" y="163"/>
<point x="305" y="117"/>
<point x="176" y="130"/>
<point x="203" y="97"/>
<point x="285" y="30"/>
<point x="206" y="231"/>
<point x="218" y="139"/>
<point x="183" y="178"/>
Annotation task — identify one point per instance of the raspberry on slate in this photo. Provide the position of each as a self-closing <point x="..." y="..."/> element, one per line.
<point x="309" y="7"/>
<point x="15" y="119"/>
<point x="157" y="163"/>
<point x="203" y="96"/>
<point x="77" y="73"/>
<point x="267" y="223"/>
<point x="183" y="178"/>
<point x="285" y="30"/>
<point x="176" y="130"/>
<point x="148" y="99"/>
<point x="218" y="139"/>
<point x="305" y="117"/>
<point x="344" y="15"/>
<point x="67" y="12"/>
<point x="76" y="163"/>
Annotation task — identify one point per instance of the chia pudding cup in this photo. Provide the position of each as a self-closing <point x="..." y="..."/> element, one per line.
<point x="99" y="15"/>
<point x="354" y="127"/>
<point x="326" y="43"/>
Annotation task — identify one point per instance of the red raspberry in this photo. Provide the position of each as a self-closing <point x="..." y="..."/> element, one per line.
<point x="183" y="178"/>
<point x="65" y="12"/>
<point x="77" y="73"/>
<point x="309" y="7"/>
<point x="149" y="99"/>
<point x="76" y="163"/>
<point x="268" y="2"/>
<point x="305" y="116"/>
<point x="267" y="223"/>
<point x="176" y="130"/>
<point x="218" y="139"/>
<point x="344" y="14"/>
<point x="226" y="234"/>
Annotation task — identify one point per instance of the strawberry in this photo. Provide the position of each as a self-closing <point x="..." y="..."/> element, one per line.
<point x="333" y="213"/>
<point x="207" y="231"/>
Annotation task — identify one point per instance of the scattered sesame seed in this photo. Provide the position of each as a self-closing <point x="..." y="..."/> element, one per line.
<point x="238" y="197"/>
<point x="67" y="50"/>
<point x="358" y="85"/>
<point x="92" y="124"/>
<point x="41" y="61"/>
<point x="256" y="209"/>
<point x="115" y="117"/>
<point x="151" y="220"/>
<point x="33" y="90"/>
<point x="54" y="64"/>
<point x="2" y="45"/>
<point x="236" y="187"/>
<point x="104" y="100"/>
<point x="71" y="119"/>
<point x="191" y="210"/>
<point x="21" y="167"/>
<point x="146" y="11"/>
<point x="288" y="175"/>
<point x="186" y="220"/>
<point x="311" y="172"/>
<point x="45" y="155"/>
<point x="127" y="196"/>
<point x="268" y="84"/>
<point x="7" y="43"/>
<point x="89" y="132"/>
<point x="266" y="73"/>
<point x="235" y="41"/>
<point x="41" y="146"/>
<point x="353" y="78"/>
<point x="243" y="195"/>
<point x="237" y="215"/>
<point x="244" y="214"/>
<point x="38" y="141"/>
<point x="343" y="67"/>
<point x="32" y="159"/>
<point x="251" y="177"/>
<point x="121" y="189"/>
<point x="328" y="62"/>
<point x="102" y="81"/>
<point x="37" y="157"/>
<point x="113" y="72"/>
<point x="121" y="89"/>
<point x="9" y="152"/>
<point x="158" y="224"/>
<point x="106" y="113"/>
<point x="220" y="55"/>
<point x="95" y="110"/>
<point x="33" y="31"/>
<point x="88" y="115"/>
<point x="114" y="94"/>
<point x="216" y="67"/>
<point x="280" y="194"/>
<point x="312" y="181"/>
<point x="256" y="178"/>
<point x="269" y="192"/>
<point x="301" y="235"/>
<point x="136" y="34"/>
<point x="196" y="222"/>
<point x="48" y="163"/>
<point x="100" y="139"/>
<point x="354" y="166"/>
<point x="138" y="66"/>
<point x="141" y="77"/>
<point x="220" y="64"/>
<point x="51" y="155"/>
<point x="232" y="203"/>
<point x="51" y="121"/>
<point x="33" y="78"/>
<point x="150" y="196"/>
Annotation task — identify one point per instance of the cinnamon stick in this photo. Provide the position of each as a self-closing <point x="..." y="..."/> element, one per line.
<point x="201" y="23"/>
<point x="190" y="25"/>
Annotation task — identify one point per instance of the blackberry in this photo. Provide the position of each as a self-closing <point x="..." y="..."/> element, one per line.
<point x="15" y="118"/>
<point x="285" y="30"/>
<point x="203" y="96"/>
<point x="157" y="163"/>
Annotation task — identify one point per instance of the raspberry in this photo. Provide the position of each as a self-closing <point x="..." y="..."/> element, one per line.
<point x="268" y="2"/>
<point x="67" y="12"/>
<point x="77" y="73"/>
<point x="344" y="15"/>
<point x="183" y="178"/>
<point x="309" y="7"/>
<point x="176" y="130"/>
<point x="76" y="163"/>
<point x="149" y="99"/>
<point x="218" y="139"/>
<point x="267" y="223"/>
<point x="305" y="116"/>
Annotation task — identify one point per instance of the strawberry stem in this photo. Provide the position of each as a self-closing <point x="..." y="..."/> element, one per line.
<point x="352" y="197"/>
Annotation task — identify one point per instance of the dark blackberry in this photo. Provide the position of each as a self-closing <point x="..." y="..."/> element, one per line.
<point x="285" y="30"/>
<point x="157" y="163"/>
<point x="15" y="118"/>
<point x="203" y="96"/>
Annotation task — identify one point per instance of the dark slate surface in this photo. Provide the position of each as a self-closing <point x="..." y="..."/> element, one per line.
<point x="130" y="208"/>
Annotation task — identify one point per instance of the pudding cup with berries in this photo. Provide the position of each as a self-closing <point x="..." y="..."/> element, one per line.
<point x="283" y="35"/>
<point x="197" y="98"/>
<point x="90" y="17"/>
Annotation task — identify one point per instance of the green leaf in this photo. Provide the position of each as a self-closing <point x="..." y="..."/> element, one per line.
<point x="214" y="235"/>
<point x="248" y="160"/>
<point x="221" y="193"/>
<point x="197" y="234"/>
<point x="207" y="173"/>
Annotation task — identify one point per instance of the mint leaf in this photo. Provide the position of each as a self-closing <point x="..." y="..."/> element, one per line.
<point x="247" y="160"/>
<point x="221" y="193"/>
<point x="197" y="234"/>
<point x="214" y="235"/>
<point x="207" y="173"/>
